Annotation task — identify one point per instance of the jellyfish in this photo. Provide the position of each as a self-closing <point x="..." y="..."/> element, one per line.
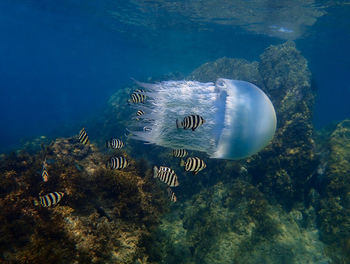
<point x="240" y="119"/>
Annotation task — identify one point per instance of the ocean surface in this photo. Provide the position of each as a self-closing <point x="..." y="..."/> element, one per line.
<point x="60" y="61"/>
<point x="99" y="196"/>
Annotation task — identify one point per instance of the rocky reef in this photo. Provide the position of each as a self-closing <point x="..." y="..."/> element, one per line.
<point x="103" y="217"/>
<point x="284" y="167"/>
<point x="290" y="203"/>
<point x="234" y="223"/>
<point x="334" y="207"/>
<point x="256" y="210"/>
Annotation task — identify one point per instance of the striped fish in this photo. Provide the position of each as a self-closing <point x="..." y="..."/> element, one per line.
<point x="137" y="97"/>
<point x="179" y="153"/>
<point x="44" y="173"/>
<point x="190" y="122"/>
<point x="114" y="143"/>
<point x="83" y="137"/>
<point x="117" y="163"/>
<point x="193" y="164"/>
<point x="139" y="113"/>
<point x="50" y="199"/>
<point x="171" y="195"/>
<point x="166" y="175"/>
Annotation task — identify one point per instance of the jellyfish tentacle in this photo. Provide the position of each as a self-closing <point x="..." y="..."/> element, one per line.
<point x="239" y="118"/>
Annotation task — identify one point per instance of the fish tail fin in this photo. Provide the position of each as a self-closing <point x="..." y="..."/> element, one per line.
<point x="182" y="163"/>
<point x="178" y="124"/>
<point x="107" y="165"/>
<point x="35" y="202"/>
<point x="107" y="143"/>
<point x="155" y="172"/>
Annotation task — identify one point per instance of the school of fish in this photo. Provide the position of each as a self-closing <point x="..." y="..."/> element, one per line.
<point x="163" y="173"/>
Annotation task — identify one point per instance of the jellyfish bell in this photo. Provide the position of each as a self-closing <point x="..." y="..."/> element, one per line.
<point x="240" y="119"/>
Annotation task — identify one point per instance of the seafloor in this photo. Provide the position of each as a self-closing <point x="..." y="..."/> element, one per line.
<point x="290" y="203"/>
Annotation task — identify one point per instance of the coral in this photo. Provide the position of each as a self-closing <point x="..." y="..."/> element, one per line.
<point x="104" y="216"/>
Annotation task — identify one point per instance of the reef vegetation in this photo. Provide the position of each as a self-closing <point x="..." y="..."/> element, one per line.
<point x="290" y="203"/>
<point x="334" y="206"/>
<point x="103" y="217"/>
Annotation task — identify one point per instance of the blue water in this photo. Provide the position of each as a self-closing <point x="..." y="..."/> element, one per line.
<point x="61" y="60"/>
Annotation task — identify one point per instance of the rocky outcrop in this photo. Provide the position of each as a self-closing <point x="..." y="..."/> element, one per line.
<point x="103" y="217"/>
<point x="334" y="209"/>
<point x="234" y="223"/>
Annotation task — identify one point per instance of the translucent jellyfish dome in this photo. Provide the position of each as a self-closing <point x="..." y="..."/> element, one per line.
<point x="240" y="119"/>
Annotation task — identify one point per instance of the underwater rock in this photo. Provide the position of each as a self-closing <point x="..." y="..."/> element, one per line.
<point x="234" y="223"/>
<point x="286" y="78"/>
<point x="284" y="167"/>
<point x="229" y="68"/>
<point x="103" y="217"/>
<point x="334" y="210"/>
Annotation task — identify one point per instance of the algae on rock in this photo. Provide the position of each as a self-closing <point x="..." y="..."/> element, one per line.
<point x="234" y="223"/>
<point x="334" y="211"/>
<point x="103" y="217"/>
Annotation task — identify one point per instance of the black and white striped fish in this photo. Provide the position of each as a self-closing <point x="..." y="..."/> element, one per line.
<point x="117" y="163"/>
<point x="171" y="195"/>
<point x="180" y="153"/>
<point x="114" y="143"/>
<point x="83" y="137"/>
<point x="137" y="97"/>
<point x="50" y="199"/>
<point x="190" y="122"/>
<point x="44" y="173"/>
<point x="139" y="113"/>
<point x="193" y="164"/>
<point x="166" y="175"/>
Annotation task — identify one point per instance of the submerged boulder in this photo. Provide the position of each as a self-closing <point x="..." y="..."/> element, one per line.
<point x="334" y="209"/>
<point x="234" y="223"/>
<point x="103" y="217"/>
<point x="285" y="166"/>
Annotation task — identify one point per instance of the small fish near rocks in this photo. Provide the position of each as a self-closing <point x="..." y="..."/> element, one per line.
<point x="49" y="200"/>
<point x="115" y="143"/>
<point x="171" y="195"/>
<point x="166" y="175"/>
<point x="179" y="153"/>
<point x="117" y="163"/>
<point x="83" y="137"/>
<point x="193" y="164"/>
<point x="44" y="173"/>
